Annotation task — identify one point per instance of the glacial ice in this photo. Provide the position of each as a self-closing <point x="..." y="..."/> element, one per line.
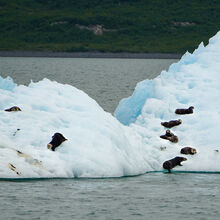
<point x="101" y="145"/>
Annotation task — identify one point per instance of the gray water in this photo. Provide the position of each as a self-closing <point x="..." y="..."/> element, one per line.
<point x="150" y="196"/>
<point x="105" y="80"/>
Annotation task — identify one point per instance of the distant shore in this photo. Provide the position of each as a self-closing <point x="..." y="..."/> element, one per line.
<point x="121" y="55"/>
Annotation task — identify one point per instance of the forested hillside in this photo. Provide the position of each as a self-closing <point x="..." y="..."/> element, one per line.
<point x="165" y="26"/>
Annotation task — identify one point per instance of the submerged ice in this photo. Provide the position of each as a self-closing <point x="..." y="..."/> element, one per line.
<point x="99" y="145"/>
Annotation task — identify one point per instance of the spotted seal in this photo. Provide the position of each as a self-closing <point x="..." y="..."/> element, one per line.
<point x="188" y="150"/>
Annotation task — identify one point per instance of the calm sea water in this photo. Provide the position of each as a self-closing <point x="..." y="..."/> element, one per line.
<point x="105" y="80"/>
<point x="151" y="196"/>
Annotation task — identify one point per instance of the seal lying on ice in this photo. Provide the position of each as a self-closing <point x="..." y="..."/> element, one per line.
<point x="170" y="136"/>
<point x="171" y="123"/>
<point x="188" y="150"/>
<point x="170" y="164"/>
<point x="183" y="111"/>
<point x="13" y="109"/>
<point x="57" y="139"/>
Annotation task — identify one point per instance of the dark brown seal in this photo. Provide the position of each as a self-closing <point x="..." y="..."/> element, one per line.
<point x="57" y="139"/>
<point x="188" y="150"/>
<point x="170" y="136"/>
<point x="170" y="164"/>
<point x="13" y="109"/>
<point x="171" y="123"/>
<point x="183" y="111"/>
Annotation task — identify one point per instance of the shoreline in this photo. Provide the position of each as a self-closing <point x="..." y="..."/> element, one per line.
<point x="122" y="55"/>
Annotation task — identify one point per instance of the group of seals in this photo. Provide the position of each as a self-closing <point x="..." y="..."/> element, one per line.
<point x="170" y="164"/>
<point x="57" y="138"/>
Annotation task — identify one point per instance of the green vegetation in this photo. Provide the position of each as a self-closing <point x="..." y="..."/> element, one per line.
<point x="165" y="26"/>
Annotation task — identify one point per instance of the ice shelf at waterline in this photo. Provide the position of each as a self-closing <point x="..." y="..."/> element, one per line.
<point x="99" y="145"/>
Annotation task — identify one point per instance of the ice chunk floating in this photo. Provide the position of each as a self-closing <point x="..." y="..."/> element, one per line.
<point x="98" y="144"/>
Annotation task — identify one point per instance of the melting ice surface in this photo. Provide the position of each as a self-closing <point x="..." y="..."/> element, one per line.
<point x="99" y="145"/>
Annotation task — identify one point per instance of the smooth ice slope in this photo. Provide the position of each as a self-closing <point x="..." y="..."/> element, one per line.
<point x="98" y="144"/>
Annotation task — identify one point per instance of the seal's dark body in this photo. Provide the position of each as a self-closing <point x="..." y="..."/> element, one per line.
<point x="184" y="111"/>
<point x="188" y="150"/>
<point x="57" y="139"/>
<point x="170" y="164"/>
<point x="171" y="123"/>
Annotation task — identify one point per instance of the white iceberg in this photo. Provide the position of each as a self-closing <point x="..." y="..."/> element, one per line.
<point x="99" y="145"/>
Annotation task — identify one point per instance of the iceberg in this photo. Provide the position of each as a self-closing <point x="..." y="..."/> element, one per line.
<point x="101" y="145"/>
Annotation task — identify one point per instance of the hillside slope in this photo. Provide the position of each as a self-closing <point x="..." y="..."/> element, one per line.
<point x="171" y="26"/>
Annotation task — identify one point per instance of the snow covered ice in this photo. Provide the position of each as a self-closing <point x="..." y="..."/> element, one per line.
<point x="98" y="145"/>
<point x="101" y="145"/>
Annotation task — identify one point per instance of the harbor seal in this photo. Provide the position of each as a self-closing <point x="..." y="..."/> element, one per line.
<point x="183" y="111"/>
<point x="170" y="164"/>
<point x="171" y="123"/>
<point x="57" y="140"/>
<point x="170" y="136"/>
<point x="188" y="150"/>
<point x="13" y="109"/>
